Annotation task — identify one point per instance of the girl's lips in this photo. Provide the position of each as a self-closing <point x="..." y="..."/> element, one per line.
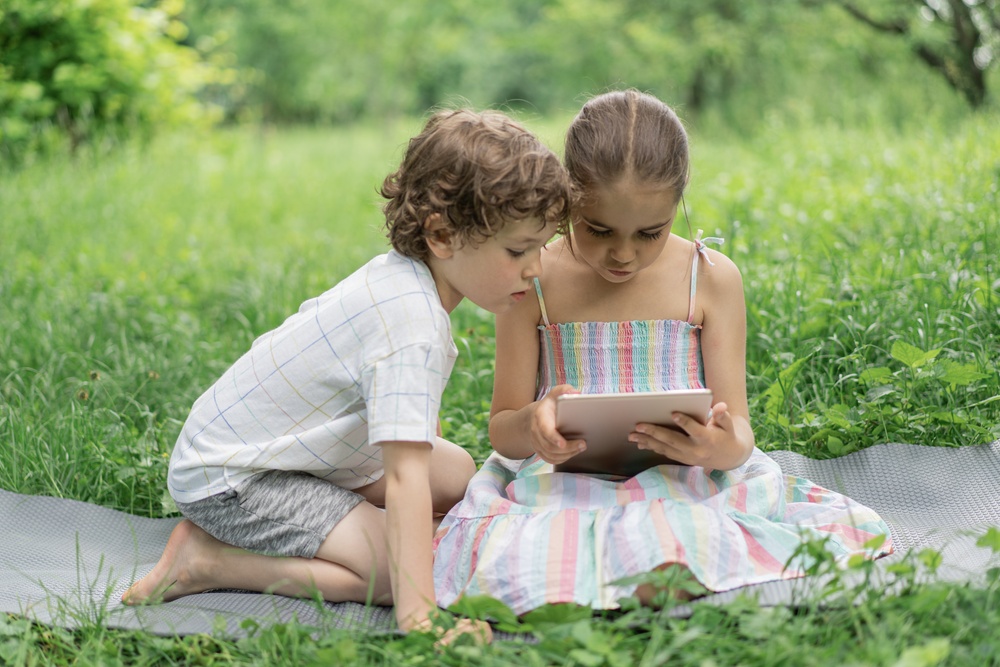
<point x="619" y="273"/>
<point x="517" y="296"/>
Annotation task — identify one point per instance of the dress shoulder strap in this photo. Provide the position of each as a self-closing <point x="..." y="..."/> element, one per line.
<point x="541" y="301"/>
<point x="699" y="249"/>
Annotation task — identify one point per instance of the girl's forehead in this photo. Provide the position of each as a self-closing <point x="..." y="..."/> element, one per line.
<point x="622" y="201"/>
<point x="629" y="187"/>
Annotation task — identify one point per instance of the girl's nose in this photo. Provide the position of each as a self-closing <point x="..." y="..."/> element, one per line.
<point x="623" y="254"/>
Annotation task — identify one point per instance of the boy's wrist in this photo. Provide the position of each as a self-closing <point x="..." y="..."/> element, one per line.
<point x="417" y="619"/>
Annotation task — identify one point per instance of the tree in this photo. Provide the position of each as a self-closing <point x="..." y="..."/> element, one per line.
<point x="959" y="39"/>
<point x="76" y="69"/>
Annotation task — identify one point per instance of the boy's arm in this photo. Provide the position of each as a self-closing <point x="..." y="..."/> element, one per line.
<point x="409" y="531"/>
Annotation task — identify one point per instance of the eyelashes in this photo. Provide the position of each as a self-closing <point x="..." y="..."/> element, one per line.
<point x="604" y="233"/>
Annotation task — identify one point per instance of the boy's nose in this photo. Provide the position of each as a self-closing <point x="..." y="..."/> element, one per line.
<point x="534" y="268"/>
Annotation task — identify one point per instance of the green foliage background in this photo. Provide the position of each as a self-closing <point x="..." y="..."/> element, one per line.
<point x="318" y="61"/>
<point x="73" y="71"/>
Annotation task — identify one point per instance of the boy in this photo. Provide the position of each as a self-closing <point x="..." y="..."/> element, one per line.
<point x="283" y="465"/>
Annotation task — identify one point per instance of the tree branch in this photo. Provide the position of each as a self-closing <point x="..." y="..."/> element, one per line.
<point x="897" y="26"/>
<point x="967" y="35"/>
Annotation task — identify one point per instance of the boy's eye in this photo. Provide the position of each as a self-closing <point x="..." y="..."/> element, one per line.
<point x="515" y="253"/>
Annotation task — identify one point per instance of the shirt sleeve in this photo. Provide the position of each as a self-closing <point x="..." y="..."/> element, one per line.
<point x="403" y="393"/>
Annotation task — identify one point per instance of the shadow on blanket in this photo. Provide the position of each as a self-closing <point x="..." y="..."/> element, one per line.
<point x="67" y="563"/>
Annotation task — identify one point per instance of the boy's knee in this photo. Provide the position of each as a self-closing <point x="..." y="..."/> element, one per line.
<point x="450" y="475"/>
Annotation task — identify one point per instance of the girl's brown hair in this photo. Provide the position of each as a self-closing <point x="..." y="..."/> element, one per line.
<point x="479" y="171"/>
<point x="627" y="134"/>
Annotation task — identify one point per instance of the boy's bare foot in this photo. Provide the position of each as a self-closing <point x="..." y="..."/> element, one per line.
<point x="180" y="569"/>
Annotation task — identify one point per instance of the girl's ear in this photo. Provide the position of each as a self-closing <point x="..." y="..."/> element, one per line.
<point x="439" y="238"/>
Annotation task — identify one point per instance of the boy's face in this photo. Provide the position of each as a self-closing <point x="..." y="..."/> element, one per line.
<point x="494" y="274"/>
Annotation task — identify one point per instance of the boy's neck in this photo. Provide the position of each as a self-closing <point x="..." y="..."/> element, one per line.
<point x="448" y="295"/>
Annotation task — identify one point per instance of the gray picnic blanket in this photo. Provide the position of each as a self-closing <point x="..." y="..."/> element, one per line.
<point x="67" y="563"/>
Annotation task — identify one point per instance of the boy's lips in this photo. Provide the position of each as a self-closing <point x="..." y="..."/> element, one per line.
<point x="517" y="296"/>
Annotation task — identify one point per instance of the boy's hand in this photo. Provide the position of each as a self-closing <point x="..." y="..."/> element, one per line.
<point x="547" y="442"/>
<point x="480" y="631"/>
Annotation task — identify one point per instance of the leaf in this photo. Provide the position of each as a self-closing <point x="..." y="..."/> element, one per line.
<point x="933" y="652"/>
<point x="911" y="356"/>
<point x="839" y="415"/>
<point x="778" y="392"/>
<point x="878" y="392"/>
<point x="948" y="417"/>
<point x="585" y="658"/>
<point x="856" y="560"/>
<point x="902" y="568"/>
<point x="931" y="558"/>
<point x="959" y="375"/>
<point x="875" y="375"/>
<point x="991" y="539"/>
<point x="483" y="607"/>
<point x="835" y="445"/>
<point x="876" y="542"/>
<point x="557" y="614"/>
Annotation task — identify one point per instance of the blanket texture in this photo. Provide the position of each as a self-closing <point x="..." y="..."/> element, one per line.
<point x="67" y="563"/>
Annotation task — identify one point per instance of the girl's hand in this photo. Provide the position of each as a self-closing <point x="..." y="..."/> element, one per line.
<point x="714" y="445"/>
<point x="547" y="442"/>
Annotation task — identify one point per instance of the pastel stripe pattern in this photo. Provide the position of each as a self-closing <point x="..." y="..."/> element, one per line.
<point x="529" y="536"/>
<point x="606" y="357"/>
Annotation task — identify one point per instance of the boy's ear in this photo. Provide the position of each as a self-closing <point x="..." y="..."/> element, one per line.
<point x="438" y="236"/>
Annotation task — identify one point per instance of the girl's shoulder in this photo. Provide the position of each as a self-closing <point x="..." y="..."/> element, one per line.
<point x="713" y="265"/>
<point x="720" y="283"/>
<point x="558" y="258"/>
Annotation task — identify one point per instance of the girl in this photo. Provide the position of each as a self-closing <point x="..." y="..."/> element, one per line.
<point x="626" y="306"/>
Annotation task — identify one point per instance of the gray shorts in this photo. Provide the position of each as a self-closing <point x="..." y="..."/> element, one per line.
<point x="277" y="513"/>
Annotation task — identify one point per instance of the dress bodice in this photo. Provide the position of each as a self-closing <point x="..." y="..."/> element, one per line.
<point x="607" y="357"/>
<point x="623" y="357"/>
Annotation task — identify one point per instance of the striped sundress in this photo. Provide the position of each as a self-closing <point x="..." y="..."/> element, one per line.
<point x="529" y="536"/>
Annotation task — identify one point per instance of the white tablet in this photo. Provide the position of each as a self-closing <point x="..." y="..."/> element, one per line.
<point x="605" y="421"/>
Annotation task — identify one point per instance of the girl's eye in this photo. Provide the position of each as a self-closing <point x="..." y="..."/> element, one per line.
<point x="647" y="236"/>
<point x="599" y="233"/>
<point x="515" y="253"/>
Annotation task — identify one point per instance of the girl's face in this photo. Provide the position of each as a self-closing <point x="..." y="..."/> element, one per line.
<point x="622" y="228"/>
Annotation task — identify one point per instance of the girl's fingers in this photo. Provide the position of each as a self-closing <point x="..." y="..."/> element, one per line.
<point x="723" y="420"/>
<point x="686" y="423"/>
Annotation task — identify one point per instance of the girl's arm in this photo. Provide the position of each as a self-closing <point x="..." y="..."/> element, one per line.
<point x="519" y="425"/>
<point x="727" y="440"/>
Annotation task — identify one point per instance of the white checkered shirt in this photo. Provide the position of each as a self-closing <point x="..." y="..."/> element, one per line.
<point x="365" y="362"/>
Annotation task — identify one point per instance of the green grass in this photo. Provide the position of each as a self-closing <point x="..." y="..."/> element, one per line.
<point x="129" y="281"/>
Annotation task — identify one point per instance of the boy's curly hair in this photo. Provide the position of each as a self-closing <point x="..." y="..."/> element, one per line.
<point x="479" y="171"/>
